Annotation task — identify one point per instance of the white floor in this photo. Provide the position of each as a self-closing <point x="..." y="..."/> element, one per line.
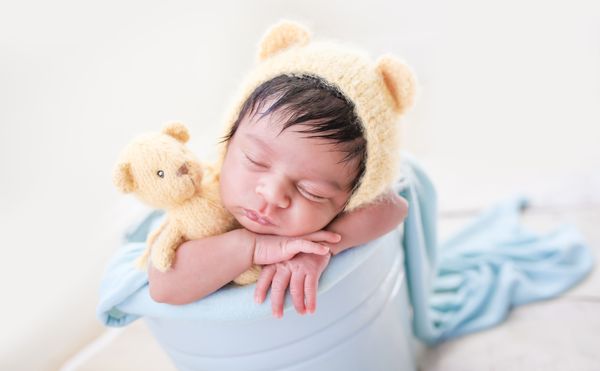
<point x="560" y="334"/>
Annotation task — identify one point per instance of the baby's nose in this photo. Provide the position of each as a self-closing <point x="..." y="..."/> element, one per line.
<point x="274" y="194"/>
<point x="182" y="170"/>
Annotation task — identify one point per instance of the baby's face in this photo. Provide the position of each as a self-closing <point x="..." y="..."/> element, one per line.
<point x="283" y="184"/>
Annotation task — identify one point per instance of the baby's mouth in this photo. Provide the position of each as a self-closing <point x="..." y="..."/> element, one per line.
<point x="256" y="217"/>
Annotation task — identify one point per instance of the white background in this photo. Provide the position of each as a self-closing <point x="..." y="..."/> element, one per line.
<point x="509" y="102"/>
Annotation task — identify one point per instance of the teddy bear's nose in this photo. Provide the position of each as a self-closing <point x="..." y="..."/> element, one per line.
<point x="182" y="170"/>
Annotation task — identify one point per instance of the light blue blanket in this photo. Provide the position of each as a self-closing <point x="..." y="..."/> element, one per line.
<point x="466" y="284"/>
<point x="472" y="280"/>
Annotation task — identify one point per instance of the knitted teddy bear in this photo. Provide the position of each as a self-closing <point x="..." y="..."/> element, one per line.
<point x="162" y="172"/>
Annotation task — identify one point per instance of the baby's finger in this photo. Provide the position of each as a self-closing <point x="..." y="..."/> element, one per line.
<point x="264" y="282"/>
<point x="323" y="236"/>
<point x="310" y="291"/>
<point x="300" y="245"/>
<point x="297" y="291"/>
<point x="280" y="283"/>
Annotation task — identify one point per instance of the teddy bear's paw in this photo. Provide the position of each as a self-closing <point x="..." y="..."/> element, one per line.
<point x="162" y="260"/>
<point x="141" y="263"/>
<point x="161" y="264"/>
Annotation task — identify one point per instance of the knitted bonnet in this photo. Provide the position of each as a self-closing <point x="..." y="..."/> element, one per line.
<point x="381" y="92"/>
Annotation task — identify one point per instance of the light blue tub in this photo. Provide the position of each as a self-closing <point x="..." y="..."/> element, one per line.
<point x="362" y="322"/>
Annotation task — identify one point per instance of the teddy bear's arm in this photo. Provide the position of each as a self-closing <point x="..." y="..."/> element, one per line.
<point x="154" y="234"/>
<point x="142" y="261"/>
<point x="163" y="249"/>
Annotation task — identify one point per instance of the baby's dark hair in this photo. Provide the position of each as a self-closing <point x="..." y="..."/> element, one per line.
<point x="322" y="108"/>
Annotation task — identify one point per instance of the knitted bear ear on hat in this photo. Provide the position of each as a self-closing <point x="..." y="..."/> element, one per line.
<point x="176" y="130"/>
<point x="281" y="36"/>
<point x="399" y="80"/>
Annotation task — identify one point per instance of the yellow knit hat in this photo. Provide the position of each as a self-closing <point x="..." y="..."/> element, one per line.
<point x="381" y="93"/>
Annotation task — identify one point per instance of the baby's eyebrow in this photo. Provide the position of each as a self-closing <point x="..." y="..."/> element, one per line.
<point x="260" y="142"/>
<point x="329" y="183"/>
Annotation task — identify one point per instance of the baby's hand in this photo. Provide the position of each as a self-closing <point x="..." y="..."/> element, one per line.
<point x="301" y="273"/>
<point x="271" y="249"/>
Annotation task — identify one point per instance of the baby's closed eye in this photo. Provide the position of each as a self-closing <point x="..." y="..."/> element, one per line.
<point x="310" y="195"/>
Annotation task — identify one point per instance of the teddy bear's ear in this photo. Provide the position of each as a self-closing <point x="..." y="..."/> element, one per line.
<point x="177" y="130"/>
<point x="281" y="36"/>
<point x="399" y="80"/>
<point x="123" y="179"/>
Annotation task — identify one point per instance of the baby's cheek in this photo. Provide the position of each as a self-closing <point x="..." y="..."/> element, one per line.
<point x="228" y="189"/>
<point x="242" y="185"/>
<point x="230" y="173"/>
<point x="312" y="218"/>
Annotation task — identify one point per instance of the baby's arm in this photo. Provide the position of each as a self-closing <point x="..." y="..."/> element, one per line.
<point x="368" y="222"/>
<point x="194" y="273"/>
<point x="204" y="265"/>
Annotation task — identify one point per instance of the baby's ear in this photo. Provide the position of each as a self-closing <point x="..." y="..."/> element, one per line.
<point x="399" y="80"/>
<point x="123" y="179"/>
<point x="177" y="130"/>
<point x="281" y="36"/>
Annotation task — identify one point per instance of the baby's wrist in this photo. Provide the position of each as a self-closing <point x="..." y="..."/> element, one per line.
<point x="247" y="240"/>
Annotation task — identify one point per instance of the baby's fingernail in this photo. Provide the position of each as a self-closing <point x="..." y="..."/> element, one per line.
<point x="338" y="237"/>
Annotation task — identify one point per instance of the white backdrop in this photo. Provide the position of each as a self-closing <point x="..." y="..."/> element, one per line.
<point x="509" y="102"/>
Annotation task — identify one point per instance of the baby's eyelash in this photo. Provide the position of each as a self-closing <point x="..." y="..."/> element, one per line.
<point x="252" y="161"/>
<point x="310" y="194"/>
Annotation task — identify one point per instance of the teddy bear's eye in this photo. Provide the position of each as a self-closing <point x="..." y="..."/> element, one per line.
<point x="160" y="173"/>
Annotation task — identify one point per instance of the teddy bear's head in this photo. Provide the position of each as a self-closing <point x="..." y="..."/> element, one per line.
<point x="158" y="168"/>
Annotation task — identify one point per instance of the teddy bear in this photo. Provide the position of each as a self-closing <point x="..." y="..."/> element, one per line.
<point x="162" y="172"/>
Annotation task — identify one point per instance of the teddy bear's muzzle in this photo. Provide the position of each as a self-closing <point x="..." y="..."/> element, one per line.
<point x="182" y="170"/>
